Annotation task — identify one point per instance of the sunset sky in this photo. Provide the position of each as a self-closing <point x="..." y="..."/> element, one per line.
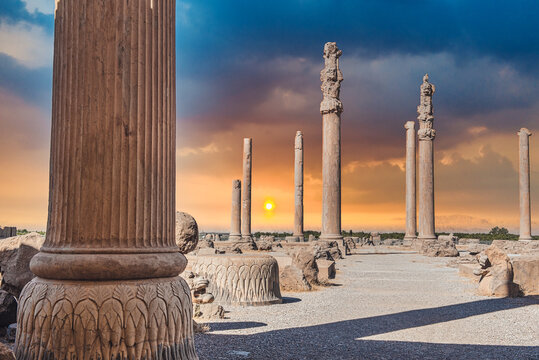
<point x="251" y="69"/>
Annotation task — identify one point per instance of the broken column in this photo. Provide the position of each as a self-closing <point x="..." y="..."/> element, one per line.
<point x="524" y="183"/>
<point x="411" y="234"/>
<point x="298" y="186"/>
<point x="107" y="284"/>
<point x="426" y="136"/>
<point x="247" y="241"/>
<point x="331" y="109"/>
<point x="235" y="221"/>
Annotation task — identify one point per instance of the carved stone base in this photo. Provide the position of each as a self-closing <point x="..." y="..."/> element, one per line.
<point x="141" y="319"/>
<point x="247" y="279"/>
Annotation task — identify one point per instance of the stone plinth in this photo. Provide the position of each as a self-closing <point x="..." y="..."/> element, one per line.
<point x="235" y="221"/>
<point x="331" y="109"/>
<point x="524" y="184"/>
<point x="240" y="279"/>
<point x="108" y="285"/>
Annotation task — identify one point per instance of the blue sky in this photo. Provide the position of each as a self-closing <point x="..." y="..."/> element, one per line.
<point x="250" y="68"/>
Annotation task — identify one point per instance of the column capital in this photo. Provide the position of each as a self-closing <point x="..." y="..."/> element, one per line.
<point x="409" y="125"/>
<point x="425" y="110"/>
<point x="524" y="132"/>
<point x="331" y="77"/>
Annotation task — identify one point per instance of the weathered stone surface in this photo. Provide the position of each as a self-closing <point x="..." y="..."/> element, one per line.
<point x="467" y="241"/>
<point x="312" y="238"/>
<point x="449" y="237"/>
<point x="426" y="135"/>
<point x="411" y="211"/>
<point x="306" y="262"/>
<point x="326" y="270"/>
<point x="524" y="183"/>
<point x="298" y="186"/>
<point x="517" y="247"/>
<point x="8" y="309"/>
<point x="526" y="274"/>
<point x="240" y="279"/>
<point x="331" y="109"/>
<point x="328" y="250"/>
<point x="264" y="245"/>
<point x="6" y="353"/>
<point x="438" y="248"/>
<point x="186" y="232"/>
<point x="496" y="274"/>
<point x="475" y="249"/>
<point x="468" y="270"/>
<point x="235" y="213"/>
<point x="15" y="255"/>
<point x="208" y="311"/>
<point x="291" y="278"/>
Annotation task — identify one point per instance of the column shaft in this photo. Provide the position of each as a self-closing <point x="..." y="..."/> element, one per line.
<point x="246" y="190"/>
<point x="410" y="182"/>
<point x="298" y="186"/>
<point x="235" y="221"/>
<point x="524" y="184"/>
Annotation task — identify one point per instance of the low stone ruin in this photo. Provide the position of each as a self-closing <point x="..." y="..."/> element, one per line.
<point x="8" y="231"/>
<point x="441" y="247"/>
<point x="496" y="274"/>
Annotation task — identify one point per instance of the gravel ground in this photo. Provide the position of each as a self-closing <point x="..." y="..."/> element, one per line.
<point x="382" y="306"/>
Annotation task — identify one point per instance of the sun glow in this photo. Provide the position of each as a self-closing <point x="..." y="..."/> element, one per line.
<point x="269" y="205"/>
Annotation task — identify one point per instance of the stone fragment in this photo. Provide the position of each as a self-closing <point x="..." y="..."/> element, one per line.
<point x="312" y="238"/>
<point x="8" y="309"/>
<point x="186" y="232"/>
<point x="15" y="255"/>
<point x="6" y="353"/>
<point x="306" y="262"/>
<point x="264" y="245"/>
<point x="291" y="278"/>
<point x="208" y="311"/>
<point x="496" y="279"/>
<point x="327" y="250"/>
<point x="526" y="274"/>
<point x="326" y="270"/>
<point x="438" y="248"/>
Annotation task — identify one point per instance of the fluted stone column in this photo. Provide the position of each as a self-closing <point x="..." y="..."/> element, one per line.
<point x="235" y="221"/>
<point x="246" y="241"/>
<point x="411" y="234"/>
<point x="426" y="135"/>
<point x="331" y="109"/>
<point x="298" y="186"/>
<point x="107" y="284"/>
<point x="524" y="183"/>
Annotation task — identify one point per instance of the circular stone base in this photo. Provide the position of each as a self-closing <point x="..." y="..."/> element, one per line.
<point x="249" y="279"/>
<point x="138" y="319"/>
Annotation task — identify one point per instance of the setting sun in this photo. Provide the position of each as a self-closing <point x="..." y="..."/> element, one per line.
<point x="268" y="205"/>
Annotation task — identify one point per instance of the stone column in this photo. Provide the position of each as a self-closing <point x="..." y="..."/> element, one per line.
<point x="247" y="241"/>
<point x="411" y="234"/>
<point x="298" y="186"/>
<point x="524" y="183"/>
<point x="331" y="109"/>
<point x="107" y="284"/>
<point x="235" y="221"/>
<point x="426" y="136"/>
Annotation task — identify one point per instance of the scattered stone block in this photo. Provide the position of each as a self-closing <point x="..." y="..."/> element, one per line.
<point x="291" y="278"/>
<point x="8" y="309"/>
<point x="326" y="270"/>
<point x="439" y="248"/>
<point x="526" y="274"/>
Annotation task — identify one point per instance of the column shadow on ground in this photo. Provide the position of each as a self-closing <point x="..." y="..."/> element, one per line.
<point x="343" y="339"/>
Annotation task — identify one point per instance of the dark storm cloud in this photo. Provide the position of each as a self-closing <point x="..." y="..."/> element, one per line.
<point x="13" y="11"/>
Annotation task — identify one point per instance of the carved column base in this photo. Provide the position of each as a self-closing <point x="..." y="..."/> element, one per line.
<point x="140" y="319"/>
<point x="248" y="279"/>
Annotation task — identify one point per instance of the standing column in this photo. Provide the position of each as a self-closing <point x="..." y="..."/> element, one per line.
<point x="298" y="186"/>
<point x="107" y="284"/>
<point x="331" y="109"/>
<point x="247" y="241"/>
<point x="524" y="183"/>
<point x="426" y="136"/>
<point x="235" y="221"/>
<point x="410" y="183"/>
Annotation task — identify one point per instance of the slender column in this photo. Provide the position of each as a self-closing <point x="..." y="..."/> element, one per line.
<point x="235" y="221"/>
<point x="107" y="285"/>
<point x="331" y="109"/>
<point x="247" y="240"/>
<point x="410" y="182"/>
<point x="426" y="135"/>
<point x="524" y="183"/>
<point x="298" y="186"/>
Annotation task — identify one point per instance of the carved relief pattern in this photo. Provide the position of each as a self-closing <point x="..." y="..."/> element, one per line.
<point x="149" y="319"/>
<point x="240" y="279"/>
<point x="425" y="110"/>
<point x="331" y="77"/>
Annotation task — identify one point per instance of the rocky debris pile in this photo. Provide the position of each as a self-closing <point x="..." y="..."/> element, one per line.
<point x="496" y="274"/>
<point x="186" y="232"/>
<point x="203" y="306"/>
<point x="439" y="248"/>
<point x="517" y="247"/>
<point x="206" y="242"/>
<point x="364" y="241"/>
<point x="15" y="256"/>
<point x="301" y="273"/>
<point x="475" y="249"/>
<point x="449" y="237"/>
<point x="265" y="243"/>
<point x="328" y="250"/>
<point x="6" y="353"/>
